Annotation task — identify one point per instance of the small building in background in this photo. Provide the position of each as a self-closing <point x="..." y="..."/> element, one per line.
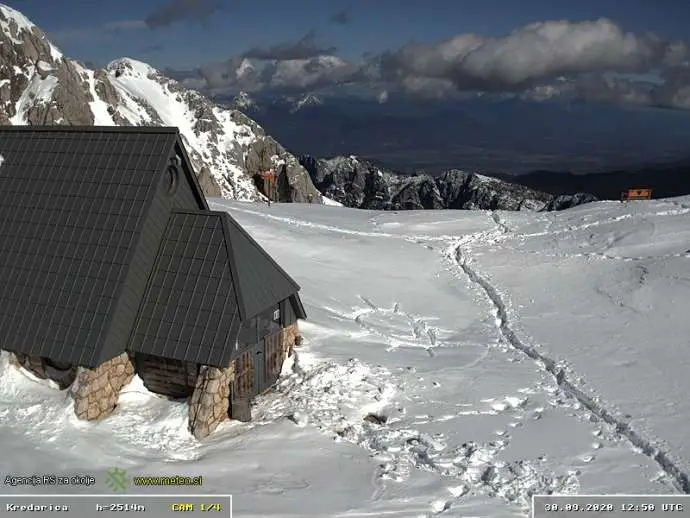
<point x="636" y="194"/>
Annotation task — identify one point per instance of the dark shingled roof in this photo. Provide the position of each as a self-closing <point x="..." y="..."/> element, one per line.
<point x="262" y="282"/>
<point x="95" y="251"/>
<point x="72" y="205"/>
<point x="209" y="276"/>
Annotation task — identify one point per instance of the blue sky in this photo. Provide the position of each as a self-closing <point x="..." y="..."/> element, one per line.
<point x="84" y="28"/>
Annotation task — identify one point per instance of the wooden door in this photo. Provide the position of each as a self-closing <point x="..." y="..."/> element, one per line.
<point x="259" y="370"/>
<point x="244" y="385"/>
<point x="273" y="359"/>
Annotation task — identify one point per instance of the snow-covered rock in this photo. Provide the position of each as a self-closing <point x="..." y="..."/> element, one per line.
<point x="243" y="101"/>
<point x="226" y="147"/>
<point x="304" y="102"/>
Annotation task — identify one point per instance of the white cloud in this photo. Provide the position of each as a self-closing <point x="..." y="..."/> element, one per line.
<point x="542" y="60"/>
<point x="533" y="53"/>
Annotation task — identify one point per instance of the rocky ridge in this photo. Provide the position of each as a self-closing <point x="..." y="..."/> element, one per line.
<point x="361" y="184"/>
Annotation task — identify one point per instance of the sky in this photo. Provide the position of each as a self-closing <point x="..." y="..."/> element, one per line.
<point x="422" y="47"/>
<point x="184" y="33"/>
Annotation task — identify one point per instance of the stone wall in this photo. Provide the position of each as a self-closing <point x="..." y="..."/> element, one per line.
<point x="97" y="390"/>
<point x="210" y="401"/>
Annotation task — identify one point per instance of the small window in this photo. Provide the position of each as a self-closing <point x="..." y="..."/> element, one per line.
<point x="173" y="175"/>
<point x="276" y="315"/>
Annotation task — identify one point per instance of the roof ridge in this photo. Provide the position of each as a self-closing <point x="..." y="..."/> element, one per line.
<point x="92" y="129"/>
<point x="227" y="217"/>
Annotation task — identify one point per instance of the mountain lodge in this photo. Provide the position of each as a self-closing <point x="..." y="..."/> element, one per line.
<point x="112" y="264"/>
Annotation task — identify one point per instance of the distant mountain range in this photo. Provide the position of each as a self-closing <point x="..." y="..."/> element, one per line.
<point x="666" y="181"/>
<point x="493" y="135"/>
<point x="360" y="184"/>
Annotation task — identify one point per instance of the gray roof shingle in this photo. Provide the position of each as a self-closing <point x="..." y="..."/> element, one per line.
<point x="71" y="208"/>
<point x="76" y="209"/>
<point x="261" y="281"/>
<point x="209" y="276"/>
<point x="190" y="311"/>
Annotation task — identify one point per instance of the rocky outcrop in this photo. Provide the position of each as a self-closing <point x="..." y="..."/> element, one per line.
<point x="210" y="401"/>
<point x="570" y="200"/>
<point x="359" y="184"/>
<point x="264" y="153"/>
<point x="461" y="190"/>
<point x="208" y="183"/>
<point x="96" y="391"/>
<point x="416" y="193"/>
<point x="70" y="99"/>
<point x="352" y="182"/>
<point x="25" y="52"/>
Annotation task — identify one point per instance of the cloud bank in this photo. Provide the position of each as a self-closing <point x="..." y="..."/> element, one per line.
<point x="304" y="48"/>
<point x="593" y="60"/>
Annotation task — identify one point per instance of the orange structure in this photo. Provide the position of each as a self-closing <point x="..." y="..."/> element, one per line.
<point x="636" y="194"/>
<point x="269" y="184"/>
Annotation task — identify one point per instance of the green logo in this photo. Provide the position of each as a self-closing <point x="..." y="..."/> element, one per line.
<point x="117" y="479"/>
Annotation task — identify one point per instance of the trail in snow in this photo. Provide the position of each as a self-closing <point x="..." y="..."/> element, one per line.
<point x="562" y="376"/>
<point x="682" y="210"/>
<point x="607" y="257"/>
<point x="332" y="228"/>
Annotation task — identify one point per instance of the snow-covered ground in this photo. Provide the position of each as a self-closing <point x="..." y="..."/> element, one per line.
<point x="502" y="354"/>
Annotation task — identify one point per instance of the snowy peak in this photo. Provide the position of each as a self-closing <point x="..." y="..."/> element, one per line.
<point x="129" y="67"/>
<point x="226" y="147"/>
<point x="304" y="102"/>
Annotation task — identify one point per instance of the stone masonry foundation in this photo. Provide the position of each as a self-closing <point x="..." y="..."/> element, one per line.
<point x="97" y="390"/>
<point x="210" y="401"/>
